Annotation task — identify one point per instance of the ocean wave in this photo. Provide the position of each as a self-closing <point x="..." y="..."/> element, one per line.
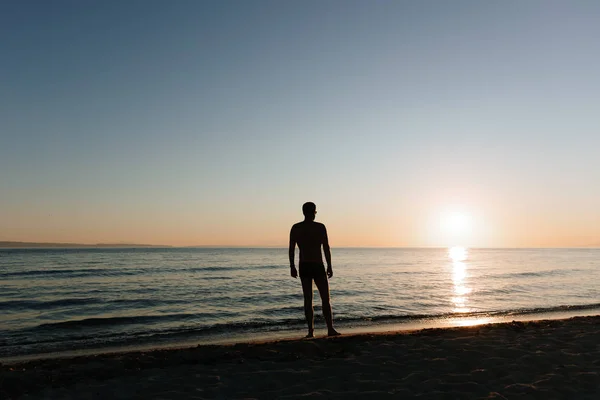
<point x="536" y="274"/>
<point x="69" y="273"/>
<point x="255" y="298"/>
<point x="128" y="320"/>
<point x="15" y="342"/>
<point x="577" y="307"/>
<point x="116" y="271"/>
<point x="477" y="314"/>
<point x="230" y="268"/>
<point x="42" y="305"/>
<point x="144" y="302"/>
<point x="264" y="322"/>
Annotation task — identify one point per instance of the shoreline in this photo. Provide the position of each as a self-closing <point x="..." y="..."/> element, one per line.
<point x="367" y="327"/>
<point x="557" y="358"/>
<point x="297" y="333"/>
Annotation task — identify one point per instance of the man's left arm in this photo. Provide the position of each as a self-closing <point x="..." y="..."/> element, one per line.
<point x="327" y="251"/>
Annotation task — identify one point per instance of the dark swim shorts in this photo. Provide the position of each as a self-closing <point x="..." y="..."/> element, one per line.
<point x="312" y="270"/>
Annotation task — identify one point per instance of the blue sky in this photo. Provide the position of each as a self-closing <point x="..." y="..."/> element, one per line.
<point x="211" y="122"/>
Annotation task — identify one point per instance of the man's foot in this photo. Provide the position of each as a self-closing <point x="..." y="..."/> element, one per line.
<point x="310" y="335"/>
<point x="333" y="332"/>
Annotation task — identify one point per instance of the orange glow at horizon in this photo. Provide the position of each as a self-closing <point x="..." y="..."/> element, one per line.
<point x="420" y="225"/>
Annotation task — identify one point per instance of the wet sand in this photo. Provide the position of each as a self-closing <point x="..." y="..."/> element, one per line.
<point x="550" y="359"/>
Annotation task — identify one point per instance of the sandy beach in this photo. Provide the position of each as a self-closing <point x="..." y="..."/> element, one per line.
<point x="551" y="359"/>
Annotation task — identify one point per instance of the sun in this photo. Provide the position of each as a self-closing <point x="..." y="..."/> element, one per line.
<point x="457" y="254"/>
<point x="456" y="227"/>
<point x="456" y="223"/>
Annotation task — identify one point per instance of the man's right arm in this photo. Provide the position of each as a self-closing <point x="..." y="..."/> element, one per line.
<point x="292" y="251"/>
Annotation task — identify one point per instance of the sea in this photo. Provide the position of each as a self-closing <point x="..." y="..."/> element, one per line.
<point x="70" y="301"/>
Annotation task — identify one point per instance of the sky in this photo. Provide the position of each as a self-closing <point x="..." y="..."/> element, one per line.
<point x="408" y="123"/>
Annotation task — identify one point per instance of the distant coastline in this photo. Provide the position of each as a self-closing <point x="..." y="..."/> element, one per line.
<point x="39" y="245"/>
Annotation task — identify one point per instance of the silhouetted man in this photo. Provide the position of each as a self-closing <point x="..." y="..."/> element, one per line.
<point x="310" y="236"/>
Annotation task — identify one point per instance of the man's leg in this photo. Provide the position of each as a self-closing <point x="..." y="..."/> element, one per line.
<point x="307" y="289"/>
<point x="323" y="286"/>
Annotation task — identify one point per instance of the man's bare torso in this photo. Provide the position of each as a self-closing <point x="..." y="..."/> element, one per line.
<point x="310" y="236"/>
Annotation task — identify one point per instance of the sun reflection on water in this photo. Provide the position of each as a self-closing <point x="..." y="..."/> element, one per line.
<point x="472" y="322"/>
<point x="458" y="255"/>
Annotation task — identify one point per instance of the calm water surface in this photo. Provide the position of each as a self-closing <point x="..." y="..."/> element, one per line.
<point x="62" y="299"/>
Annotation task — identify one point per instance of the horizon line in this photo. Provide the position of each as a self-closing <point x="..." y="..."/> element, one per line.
<point x="23" y="245"/>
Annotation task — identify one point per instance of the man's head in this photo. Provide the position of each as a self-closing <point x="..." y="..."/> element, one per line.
<point x="309" y="210"/>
